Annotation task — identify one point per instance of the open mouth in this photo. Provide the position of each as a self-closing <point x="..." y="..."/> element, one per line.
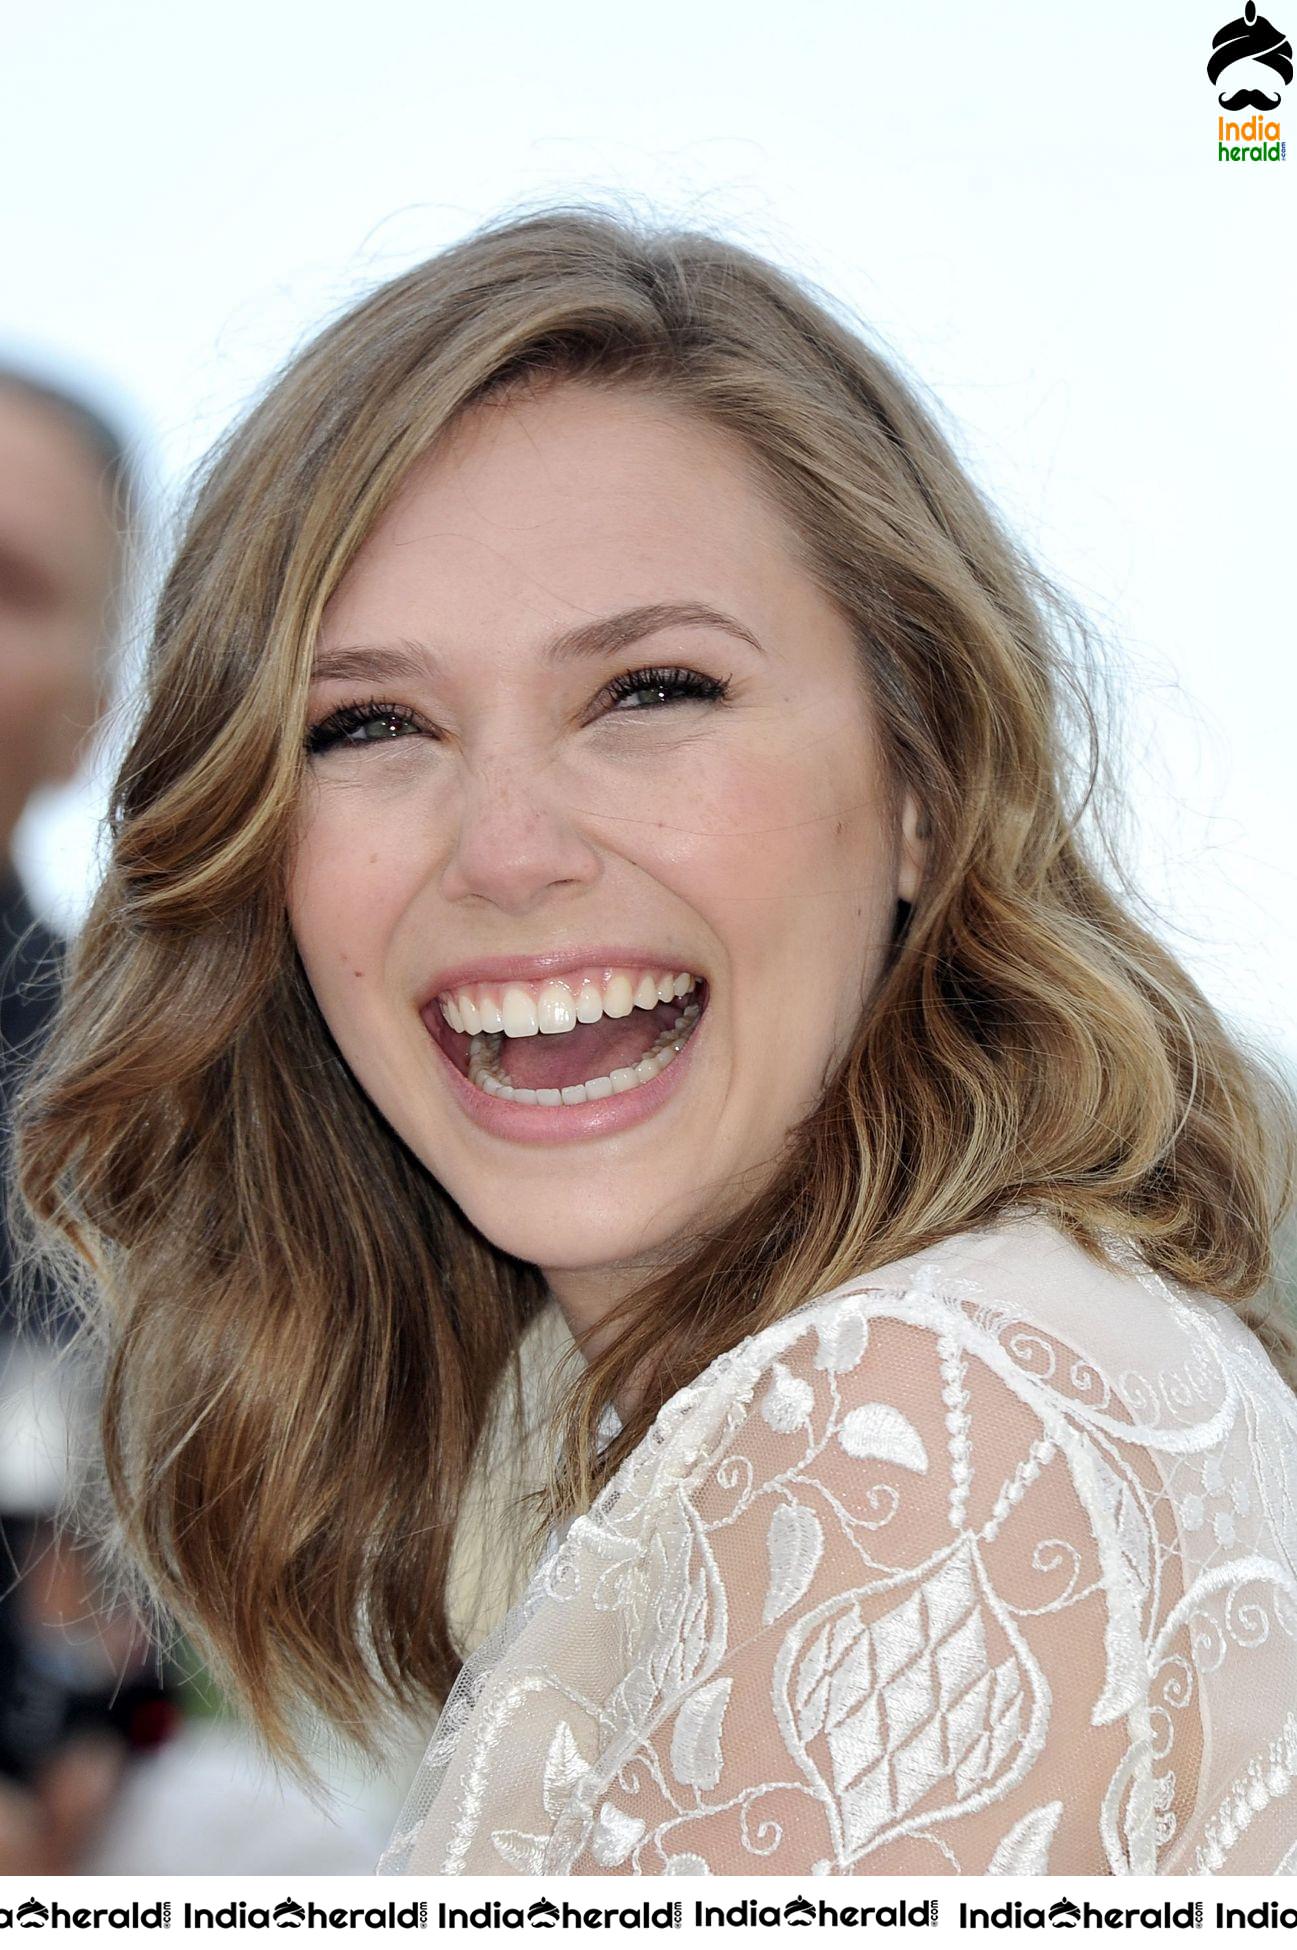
<point x="629" y="1041"/>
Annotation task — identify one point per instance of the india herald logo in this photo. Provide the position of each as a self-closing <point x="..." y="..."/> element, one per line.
<point x="1247" y="55"/>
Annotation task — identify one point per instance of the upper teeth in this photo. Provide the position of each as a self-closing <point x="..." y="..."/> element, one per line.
<point x="552" y="1007"/>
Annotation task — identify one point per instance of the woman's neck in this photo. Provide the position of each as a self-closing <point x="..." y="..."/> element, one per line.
<point x="586" y="1298"/>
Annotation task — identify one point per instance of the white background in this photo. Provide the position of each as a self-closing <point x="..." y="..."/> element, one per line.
<point x="1023" y="202"/>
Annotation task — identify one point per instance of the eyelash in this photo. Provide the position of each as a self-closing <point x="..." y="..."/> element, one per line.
<point x="688" y="684"/>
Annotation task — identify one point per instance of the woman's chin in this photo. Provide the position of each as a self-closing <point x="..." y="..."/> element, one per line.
<point x="583" y="1246"/>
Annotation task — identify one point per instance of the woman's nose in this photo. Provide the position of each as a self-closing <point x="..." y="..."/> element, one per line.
<point x="518" y="833"/>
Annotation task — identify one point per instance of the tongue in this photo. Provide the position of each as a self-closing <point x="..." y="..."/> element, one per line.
<point x="592" y="1049"/>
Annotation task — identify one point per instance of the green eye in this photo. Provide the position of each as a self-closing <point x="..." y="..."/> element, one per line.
<point x="360" y="724"/>
<point x="381" y="723"/>
<point x="663" y="686"/>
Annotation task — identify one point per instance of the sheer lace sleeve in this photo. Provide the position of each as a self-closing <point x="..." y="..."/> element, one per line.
<point x="912" y="1582"/>
<point x="898" y="1646"/>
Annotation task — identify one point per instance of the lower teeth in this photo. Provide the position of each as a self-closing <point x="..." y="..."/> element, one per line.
<point x="484" y="1069"/>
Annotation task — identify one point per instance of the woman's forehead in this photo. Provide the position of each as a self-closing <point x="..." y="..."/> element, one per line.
<point x="585" y="497"/>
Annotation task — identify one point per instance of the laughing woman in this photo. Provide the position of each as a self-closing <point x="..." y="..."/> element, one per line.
<point x="603" y="835"/>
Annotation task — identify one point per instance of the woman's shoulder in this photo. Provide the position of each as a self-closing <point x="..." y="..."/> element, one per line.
<point x="1110" y="1341"/>
<point x="980" y="1507"/>
<point x="904" y="1578"/>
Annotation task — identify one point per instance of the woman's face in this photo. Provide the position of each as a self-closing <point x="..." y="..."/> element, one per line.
<point x="500" y="821"/>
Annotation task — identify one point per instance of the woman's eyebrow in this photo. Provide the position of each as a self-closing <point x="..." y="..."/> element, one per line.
<point x="604" y="636"/>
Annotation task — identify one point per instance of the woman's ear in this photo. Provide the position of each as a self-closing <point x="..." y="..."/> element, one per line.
<point x="913" y="852"/>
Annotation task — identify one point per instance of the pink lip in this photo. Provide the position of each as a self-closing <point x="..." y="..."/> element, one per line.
<point x="537" y="968"/>
<point x="564" y="1123"/>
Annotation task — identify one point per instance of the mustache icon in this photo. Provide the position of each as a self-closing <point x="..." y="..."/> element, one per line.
<point x="1249" y="98"/>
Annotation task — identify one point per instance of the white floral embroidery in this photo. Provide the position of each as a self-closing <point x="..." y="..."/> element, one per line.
<point x="696" y="1742"/>
<point x="615" y="1835"/>
<point x="985" y="1562"/>
<point x="564" y="1767"/>
<point x="1025" y="1849"/>
<point x="878" y="1430"/>
<point x="787" y="1403"/>
<point x="794" y="1542"/>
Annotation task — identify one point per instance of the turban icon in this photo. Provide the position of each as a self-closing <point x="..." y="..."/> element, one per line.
<point x="1252" y="39"/>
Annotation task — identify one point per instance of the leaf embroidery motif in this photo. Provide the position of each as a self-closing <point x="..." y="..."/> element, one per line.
<point x="842" y="1340"/>
<point x="1128" y="1521"/>
<point x="1024" y="1851"/>
<point x="787" y="1402"/>
<point x="880" y="1433"/>
<point x="614" y="1835"/>
<point x="564" y="1766"/>
<point x="696" y="1757"/>
<point x="794" y="1544"/>
<point x="525" y="1853"/>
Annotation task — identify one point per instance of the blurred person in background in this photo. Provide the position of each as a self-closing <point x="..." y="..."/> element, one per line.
<point x="72" y="1678"/>
<point x="83" y="1694"/>
<point x="64" y="500"/>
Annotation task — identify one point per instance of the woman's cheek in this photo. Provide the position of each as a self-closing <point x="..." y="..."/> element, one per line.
<point x="331" y="911"/>
<point x="760" y="817"/>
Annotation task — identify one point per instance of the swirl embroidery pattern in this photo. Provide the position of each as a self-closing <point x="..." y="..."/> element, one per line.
<point x="942" y="1573"/>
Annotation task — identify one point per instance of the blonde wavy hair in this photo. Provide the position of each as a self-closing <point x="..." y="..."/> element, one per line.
<point x="304" y="1341"/>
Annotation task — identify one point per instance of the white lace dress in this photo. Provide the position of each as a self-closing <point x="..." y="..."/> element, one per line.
<point x="984" y="1562"/>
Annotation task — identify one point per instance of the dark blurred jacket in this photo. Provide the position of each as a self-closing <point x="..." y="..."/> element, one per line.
<point x="30" y="963"/>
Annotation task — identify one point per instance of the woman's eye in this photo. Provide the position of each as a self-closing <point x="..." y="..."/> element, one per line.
<point x="380" y="723"/>
<point x="361" y="724"/>
<point x="647" y="690"/>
